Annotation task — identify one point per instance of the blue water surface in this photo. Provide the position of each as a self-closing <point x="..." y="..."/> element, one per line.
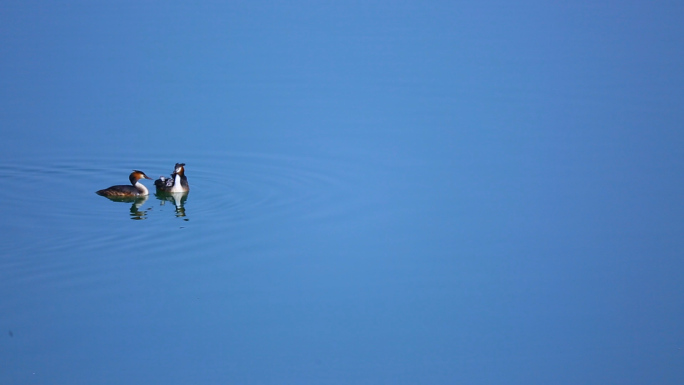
<point x="381" y="193"/>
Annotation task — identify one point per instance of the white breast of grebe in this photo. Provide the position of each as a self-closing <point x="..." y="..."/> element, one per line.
<point x="177" y="187"/>
<point x="141" y="187"/>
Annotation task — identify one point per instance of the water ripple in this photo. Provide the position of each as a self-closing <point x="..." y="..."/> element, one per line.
<point x="55" y="218"/>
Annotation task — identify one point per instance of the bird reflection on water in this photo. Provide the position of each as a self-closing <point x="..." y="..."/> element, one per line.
<point x="137" y="202"/>
<point x="138" y="213"/>
<point x="177" y="198"/>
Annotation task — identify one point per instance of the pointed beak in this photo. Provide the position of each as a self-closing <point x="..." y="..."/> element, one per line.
<point x="147" y="177"/>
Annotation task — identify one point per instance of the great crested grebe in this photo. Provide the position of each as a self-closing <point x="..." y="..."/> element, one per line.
<point x="177" y="183"/>
<point x="135" y="189"/>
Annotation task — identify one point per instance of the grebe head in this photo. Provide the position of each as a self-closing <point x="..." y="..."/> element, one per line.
<point x="136" y="175"/>
<point x="179" y="169"/>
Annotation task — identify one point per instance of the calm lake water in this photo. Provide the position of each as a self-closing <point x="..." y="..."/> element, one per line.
<point x="381" y="194"/>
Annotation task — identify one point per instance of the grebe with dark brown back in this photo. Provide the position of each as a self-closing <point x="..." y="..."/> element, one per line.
<point x="135" y="189"/>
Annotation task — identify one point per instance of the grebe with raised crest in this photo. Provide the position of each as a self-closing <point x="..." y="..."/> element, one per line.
<point x="135" y="189"/>
<point x="176" y="184"/>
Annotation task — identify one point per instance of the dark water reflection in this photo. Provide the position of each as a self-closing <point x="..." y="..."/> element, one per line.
<point x="138" y="212"/>
<point x="177" y="199"/>
<point x="137" y="202"/>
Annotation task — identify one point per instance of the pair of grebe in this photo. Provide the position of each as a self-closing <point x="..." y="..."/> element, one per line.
<point x="178" y="183"/>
